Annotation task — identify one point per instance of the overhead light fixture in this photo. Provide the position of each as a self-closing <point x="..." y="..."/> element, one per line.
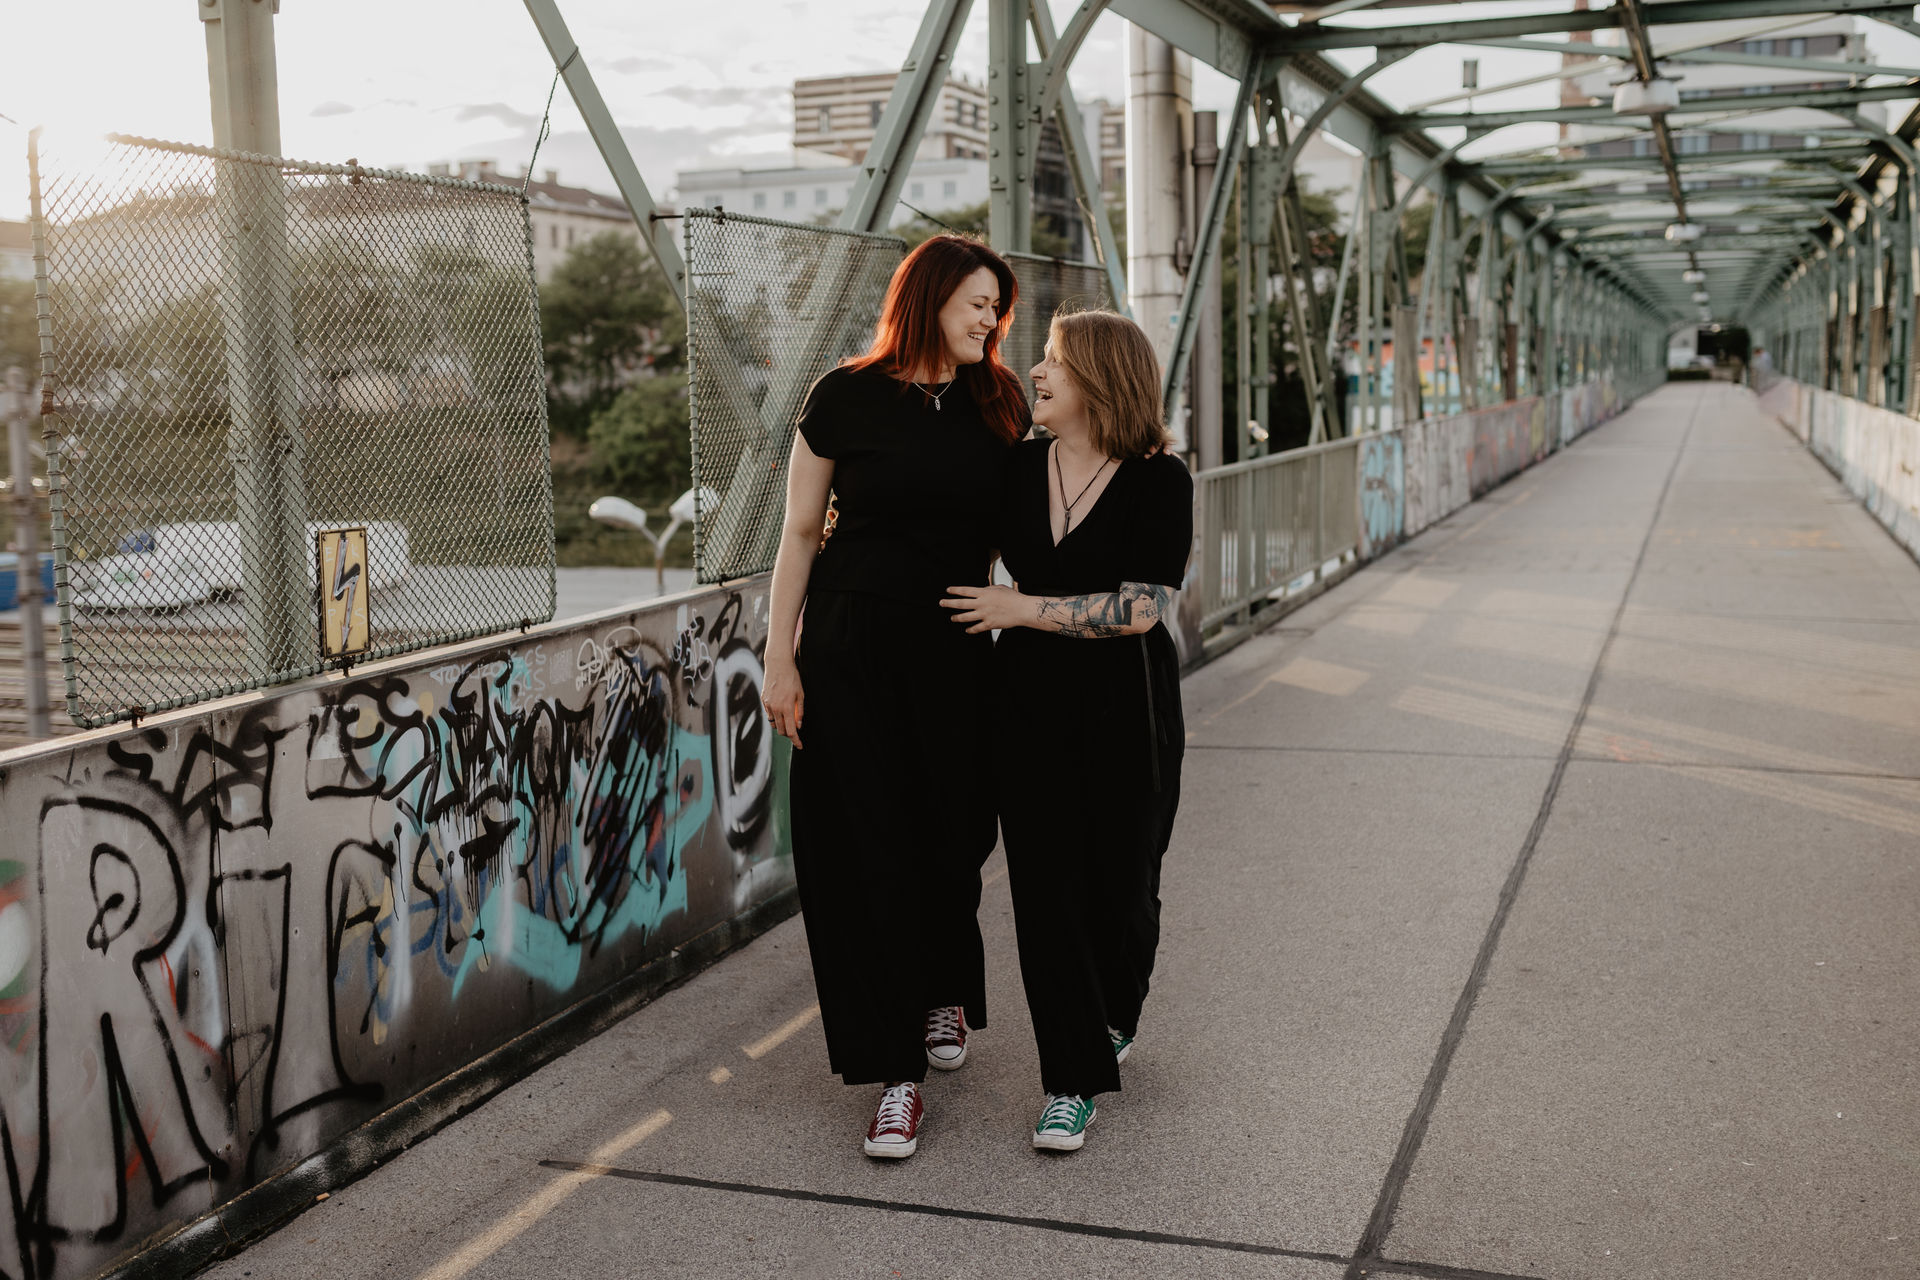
<point x="1684" y="231"/>
<point x="1694" y="276"/>
<point x="1645" y="97"/>
<point x="1702" y="297"/>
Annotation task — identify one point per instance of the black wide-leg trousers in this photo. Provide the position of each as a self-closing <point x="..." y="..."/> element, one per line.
<point x="1084" y="867"/>
<point x="892" y="819"/>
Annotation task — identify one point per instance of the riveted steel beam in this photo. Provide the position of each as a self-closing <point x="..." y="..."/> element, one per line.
<point x="1837" y="100"/>
<point x="1706" y="159"/>
<point x="1324" y="36"/>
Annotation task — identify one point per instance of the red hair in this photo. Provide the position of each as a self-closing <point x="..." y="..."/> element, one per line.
<point x="908" y="336"/>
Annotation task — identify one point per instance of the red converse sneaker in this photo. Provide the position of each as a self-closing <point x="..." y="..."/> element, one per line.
<point x="895" y="1131"/>
<point x="946" y="1037"/>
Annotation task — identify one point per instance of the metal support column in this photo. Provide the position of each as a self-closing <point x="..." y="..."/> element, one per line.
<point x="26" y="541"/>
<point x="264" y="443"/>
<point x="1011" y="130"/>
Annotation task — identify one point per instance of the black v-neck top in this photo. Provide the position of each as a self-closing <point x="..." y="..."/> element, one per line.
<point x="1120" y="694"/>
<point x="1140" y="529"/>
<point x="917" y="487"/>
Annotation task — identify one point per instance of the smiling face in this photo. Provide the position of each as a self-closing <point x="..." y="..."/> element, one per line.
<point x="1057" y="401"/>
<point x="970" y="317"/>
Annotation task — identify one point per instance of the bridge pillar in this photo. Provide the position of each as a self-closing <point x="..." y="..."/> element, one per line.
<point x="1159" y="233"/>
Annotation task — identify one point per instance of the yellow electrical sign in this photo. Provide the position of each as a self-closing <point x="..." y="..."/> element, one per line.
<point x="341" y="558"/>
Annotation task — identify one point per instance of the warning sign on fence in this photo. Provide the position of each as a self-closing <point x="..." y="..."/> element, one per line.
<point x="342" y="560"/>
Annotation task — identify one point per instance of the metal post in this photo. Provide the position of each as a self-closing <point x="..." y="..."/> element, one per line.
<point x="1083" y="154"/>
<point x="1159" y="98"/>
<point x="1011" y="130"/>
<point x="264" y="442"/>
<point x="26" y="540"/>
<point x="1243" y="305"/>
<point x="1208" y="438"/>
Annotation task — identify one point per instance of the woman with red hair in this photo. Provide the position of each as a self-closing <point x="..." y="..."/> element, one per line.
<point x="890" y="791"/>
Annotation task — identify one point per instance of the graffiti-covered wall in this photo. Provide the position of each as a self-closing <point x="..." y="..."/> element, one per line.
<point x="230" y="935"/>
<point x="1874" y="451"/>
<point x="1415" y="475"/>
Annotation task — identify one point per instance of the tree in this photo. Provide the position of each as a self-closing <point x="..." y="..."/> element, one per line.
<point x="607" y="316"/>
<point x="640" y="443"/>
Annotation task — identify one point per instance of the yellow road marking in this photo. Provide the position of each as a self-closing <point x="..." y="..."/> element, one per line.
<point x="780" y="1035"/>
<point x="719" y="1075"/>
<point x="504" y="1232"/>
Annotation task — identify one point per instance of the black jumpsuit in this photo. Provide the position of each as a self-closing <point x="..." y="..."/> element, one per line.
<point x="1097" y="729"/>
<point x="891" y="799"/>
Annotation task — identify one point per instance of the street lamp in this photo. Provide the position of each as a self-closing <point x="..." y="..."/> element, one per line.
<point x="622" y="514"/>
<point x="1684" y="231"/>
<point x="1694" y="277"/>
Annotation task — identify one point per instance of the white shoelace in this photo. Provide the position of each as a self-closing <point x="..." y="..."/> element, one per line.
<point x="1063" y="1110"/>
<point x="944" y="1023"/>
<point x="896" y="1110"/>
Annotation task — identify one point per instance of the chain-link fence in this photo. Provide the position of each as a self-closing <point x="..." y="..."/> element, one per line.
<point x="250" y="352"/>
<point x="770" y="307"/>
<point x="1046" y="285"/>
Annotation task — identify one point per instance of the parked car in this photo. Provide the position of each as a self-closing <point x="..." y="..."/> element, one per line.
<point x="170" y="567"/>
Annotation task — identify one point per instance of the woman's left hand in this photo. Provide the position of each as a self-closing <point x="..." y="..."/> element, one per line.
<point x="990" y="608"/>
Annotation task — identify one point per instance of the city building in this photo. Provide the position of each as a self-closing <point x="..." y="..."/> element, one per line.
<point x="561" y="216"/>
<point x="834" y="120"/>
<point x="837" y="115"/>
<point x="16" y="250"/>
<point x="810" y="185"/>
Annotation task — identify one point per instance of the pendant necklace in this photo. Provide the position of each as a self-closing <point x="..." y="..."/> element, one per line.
<point x="1062" y="478"/>
<point x="936" y="394"/>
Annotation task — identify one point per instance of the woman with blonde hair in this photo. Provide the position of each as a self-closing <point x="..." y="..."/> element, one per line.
<point x="890" y="791"/>
<point x="1095" y="528"/>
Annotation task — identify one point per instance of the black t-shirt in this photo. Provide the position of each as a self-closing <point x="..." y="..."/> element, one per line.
<point x="917" y="488"/>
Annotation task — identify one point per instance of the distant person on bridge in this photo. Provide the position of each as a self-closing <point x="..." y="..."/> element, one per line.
<point x="891" y="790"/>
<point x="1095" y="529"/>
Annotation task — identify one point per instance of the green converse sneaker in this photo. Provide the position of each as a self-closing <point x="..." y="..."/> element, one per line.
<point x="1063" y="1123"/>
<point x="1122" y="1045"/>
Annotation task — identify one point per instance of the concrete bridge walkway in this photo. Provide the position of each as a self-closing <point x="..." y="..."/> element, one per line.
<point x="1543" y="904"/>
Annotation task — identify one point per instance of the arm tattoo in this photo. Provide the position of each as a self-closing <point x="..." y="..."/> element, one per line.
<point x="1134" y="608"/>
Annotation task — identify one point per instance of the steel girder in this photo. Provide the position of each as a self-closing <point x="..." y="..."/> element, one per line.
<point x="1321" y="37"/>
<point x="1806" y="99"/>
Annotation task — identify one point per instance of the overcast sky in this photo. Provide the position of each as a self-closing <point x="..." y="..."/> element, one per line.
<point x="405" y="83"/>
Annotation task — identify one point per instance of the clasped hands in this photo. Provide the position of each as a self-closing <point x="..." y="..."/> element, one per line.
<point x="991" y="608"/>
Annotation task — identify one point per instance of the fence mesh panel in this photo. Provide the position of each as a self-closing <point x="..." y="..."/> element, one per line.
<point x="248" y="351"/>
<point x="1046" y="285"/>
<point x="770" y="307"/>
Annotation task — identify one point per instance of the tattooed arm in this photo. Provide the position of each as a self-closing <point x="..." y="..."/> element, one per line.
<point x="1130" y="611"/>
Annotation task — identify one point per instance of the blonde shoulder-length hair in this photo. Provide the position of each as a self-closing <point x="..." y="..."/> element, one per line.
<point x="1112" y="364"/>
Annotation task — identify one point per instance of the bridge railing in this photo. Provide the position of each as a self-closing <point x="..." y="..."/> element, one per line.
<point x="1271" y="521"/>
<point x="1272" y="532"/>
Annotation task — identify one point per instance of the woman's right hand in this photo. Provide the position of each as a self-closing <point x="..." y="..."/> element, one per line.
<point x="784" y="699"/>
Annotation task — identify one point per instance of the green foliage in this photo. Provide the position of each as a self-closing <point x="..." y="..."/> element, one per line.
<point x="606" y="315"/>
<point x="640" y="444"/>
<point x="971" y="220"/>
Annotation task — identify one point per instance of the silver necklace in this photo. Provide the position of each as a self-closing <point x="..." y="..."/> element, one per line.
<point x="936" y="394"/>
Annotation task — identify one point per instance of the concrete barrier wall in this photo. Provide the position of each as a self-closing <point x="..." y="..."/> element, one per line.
<point x="231" y="935"/>
<point x="1445" y="463"/>
<point x="1875" y="452"/>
